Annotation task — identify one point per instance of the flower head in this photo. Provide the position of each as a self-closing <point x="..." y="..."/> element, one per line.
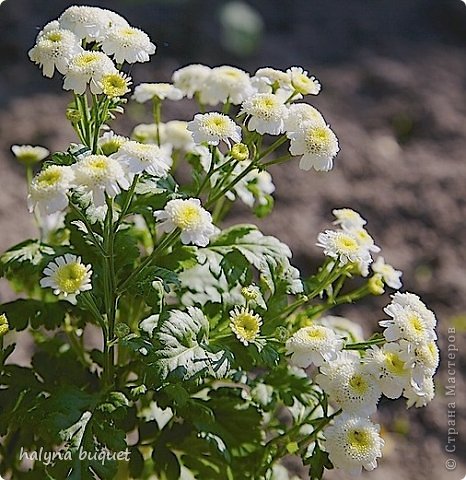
<point x="420" y="396"/>
<point x="148" y="91"/>
<point x="148" y="132"/>
<point x="353" y="443"/>
<point x="67" y="275"/>
<point x="4" y="325"/>
<point x="49" y="189"/>
<point x="176" y="134"/>
<point x="348" y="218"/>
<point x="128" y="44"/>
<point x="28" y="154"/>
<point x="213" y="128"/>
<point x="245" y="324"/>
<point x="301" y="113"/>
<point x="190" y="79"/>
<point x="188" y="215"/>
<point x="302" y="82"/>
<point x="115" y="84"/>
<point x="317" y="144"/>
<point x="110" y="142"/>
<point x="269" y="80"/>
<point x="267" y="113"/>
<point x="315" y="344"/>
<point x="389" y="275"/>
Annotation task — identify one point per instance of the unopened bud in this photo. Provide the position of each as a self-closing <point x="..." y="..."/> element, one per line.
<point x="376" y="285"/>
<point x="239" y="151"/>
<point x="4" y="325"/>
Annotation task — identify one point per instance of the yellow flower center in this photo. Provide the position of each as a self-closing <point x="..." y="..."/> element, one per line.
<point x="187" y="216"/>
<point x="54" y="37"/>
<point x="128" y="32"/>
<point x="317" y="139"/>
<point x="114" y="85"/>
<point x="69" y="277"/>
<point x="394" y="364"/>
<point x="316" y="333"/>
<point x="49" y="177"/>
<point x="360" y="441"/>
<point x="246" y="325"/>
<point x="99" y="163"/>
<point x="359" y="384"/>
<point x="86" y="59"/>
<point x="347" y="243"/>
<point x="416" y="323"/>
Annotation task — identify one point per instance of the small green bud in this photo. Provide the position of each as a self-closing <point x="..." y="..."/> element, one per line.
<point x="73" y="115"/>
<point x="4" y="325"/>
<point x="240" y="152"/>
<point x="250" y="293"/>
<point x="281" y="333"/>
<point x="121" y="330"/>
<point x="376" y="285"/>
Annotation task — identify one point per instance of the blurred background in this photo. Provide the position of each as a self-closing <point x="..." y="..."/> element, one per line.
<point x="394" y="77"/>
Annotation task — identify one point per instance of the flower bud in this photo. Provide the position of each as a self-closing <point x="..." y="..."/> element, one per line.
<point x="4" y="326"/>
<point x="250" y="293"/>
<point x="121" y="330"/>
<point x="376" y="285"/>
<point x="240" y="152"/>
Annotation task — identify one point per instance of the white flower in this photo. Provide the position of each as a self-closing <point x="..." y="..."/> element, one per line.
<point x="349" y="384"/>
<point x="267" y="113"/>
<point x="344" y="246"/>
<point x="115" y="84"/>
<point x="364" y="239"/>
<point x="147" y="132"/>
<point x="353" y="443"/>
<point x="88" y="67"/>
<point x="254" y="186"/>
<point x="406" y="299"/>
<point x="54" y="50"/>
<point x="420" y="396"/>
<point x="302" y="82"/>
<point x="68" y="276"/>
<point x="149" y="324"/>
<point x="315" y="344"/>
<point x="98" y="174"/>
<point x="245" y="324"/>
<point x="268" y="80"/>
<point x="344" y="327"/>
<point x="178" y="135"/>
<point x="389" y="367"/>
<point x="213" y="128"/>
<point x="49" y="189"/>
<point x="28" y="154"/>
<point x="317" y="144"/>
<point x="348" y="218"/>
<point x="148" y="91"/>
<point x="191" y="78"/>
<point x="389" y="275"/>
<point x="140" y="157"/>
<point x="224" y="84"/>
<point x="128" y="44"/>
<point x="188" y="215"/>
<point x="110" y="142"/>
<point x="300" y="113"/>
<point x="423" y="360"/>
<point x="90" y="23"/>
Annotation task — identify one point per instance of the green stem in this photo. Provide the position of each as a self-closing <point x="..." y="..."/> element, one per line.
<point x="83" y="218"/>
<point x="278" y="160"/>
<point x="280" y="141"/>
<point x="157" y="112"/>
<point x="212" y="149"/>
<point x="127" y="203"/>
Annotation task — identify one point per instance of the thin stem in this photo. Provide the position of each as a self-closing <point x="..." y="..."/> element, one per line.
<point x="280" y="141"/>
<point x="83" y="218"/>
<point x="157" y="112"/>
<point x="127" y="203"/>
<point x="212" y="149"/>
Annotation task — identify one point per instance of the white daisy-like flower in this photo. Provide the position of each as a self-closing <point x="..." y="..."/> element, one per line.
<point x="422" y="359"/>
<point x="406" y="299"/>
<point x="68" y="276"/>
<point x="302" y="82"/>
<point x="88" y="68"/>
<point x="190" y="79"/>
<point x="115" y="84"/>
<point x="317" y="144"/>
<point x="110" y="142"/>
<point x="389" y="275"/>
<point x="301" y="113"/>
<point x="344" y="246"/>
<point x="353" y="443"/>
<point x="348" y="219"/>
<point x="188" y="215"/>
<point x="100" y="175"/>
<point x="390" y="368"/>
<point x="29" y="154"/>
<point x="344" y="327"/>
<point x="147" y="132"/>
<point x="315" y="344"/>
<point x="178" y="135"/>
<point x="224" y="84"/>
<point x="214" y="128"/>
<point x="245" y="324"/>
<point x="55" y="49"/>
<point x="128" y="44"/>
<point x="271" y="80"/>
<point x="266" y="112"/>
<point x="139" y="157"/>
<point x="49" y="189"/>
<point x="349" y="384"/>
<point x="364" y="239"/>
<point x="148" y="91"/>
<point x="420" y="396"/>
<point x="254" y="187"/>
<point x="90" y="23"/>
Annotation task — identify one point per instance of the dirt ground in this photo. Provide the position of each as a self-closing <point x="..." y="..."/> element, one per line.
<point x="394" y="77"/>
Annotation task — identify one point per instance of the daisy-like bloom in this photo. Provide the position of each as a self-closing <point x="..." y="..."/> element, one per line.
<point x="406" y="299"/>
<point x="190" y="79"/>
<point x="302" y="82"/>
<point x="147" y="132"/>
<point x="54" y="50"/>
<point x="344" y="246"/>
<point x="353" y="443"/>
<point x="348" y="218"/>
<point x="148" y="91"/>
<point x="68" y="276"/>
<point x="315" y="344"/>
<point x="100" y="175"/>
<point x="139" y="157"/>
<point x="364" y="239"/>
<point x="29" y="155"/>
<point x="178" y="135"/>
<point x="268" y="80"/>
<point x="128" y="44"/>
<point x="88" y="68"/>
<point x="300" y="113"/>
<point x="90" y="23"/>
<point x="389" y="367"/>
<point x="224" y="84"/>
<point x="317" y="144"/>
<point x="49" y="189"/>
<point x="245" y="324"/>
<point x="344" y="327"/>
<point x="115" y="84"/>
<point x="110" y="142"/>
<point x="423" y="360"/>
<point x="389" y="275"/>
<point x="349" y="384"/>
<point x="214" y="128"/>
<point x="4" y="325"/>
<point x="266" y="112"/>
<point x="420" y="396"/>
<point x="188" y="215"/>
